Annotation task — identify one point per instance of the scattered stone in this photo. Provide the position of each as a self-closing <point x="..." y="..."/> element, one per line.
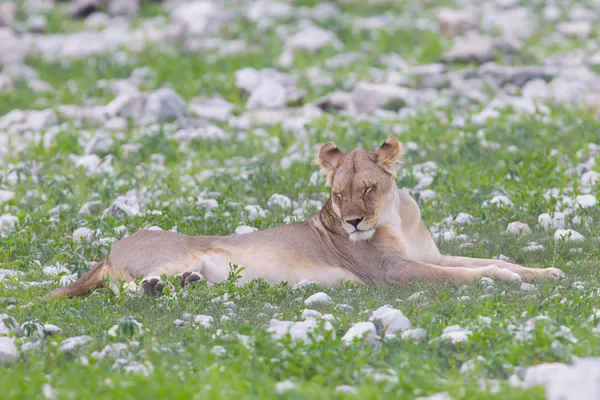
<point x="517" y="228"/>
<point x="279" y="200"/>
<point x="147" y="108"/>
<point x="318" y="299"/>
<point x="120" y="209"/>
<point x="204" y="321"/>
<point x="455" y="334"/>
<point x="240" y="230"/>
<point x="455" y="22"/>
<point x="577" y="29"/>
<point x="362" y="330"/>
<point x="527" y="287"/>
<point x="346" y="389"/>
<point x="390" y="319"/>
<point x="8" y="9"/>
<point x="9" y="353"/>
<point x="473" y="48"/>
<point x="50" y="329"/>
<point x="219" y="351"/>
<point x="416" y="334"/>
<point x="214" y="108"/>
<point x="586" y="201"/>
<point x="37" y="24"/>
<point x="298" y="331"/>
<point x="579" y="381"/>
<point x="72" y="343"/>
<point x="313" y="38"/>
<point x="568" y="235"/>
<point x="125" y="8"/>
<point x="437" y="396"/>
<point x="83" y="235"/>
<point x="285" y="386"/>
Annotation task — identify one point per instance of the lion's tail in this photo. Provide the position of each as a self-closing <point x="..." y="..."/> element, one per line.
<point x="93" y="279"/>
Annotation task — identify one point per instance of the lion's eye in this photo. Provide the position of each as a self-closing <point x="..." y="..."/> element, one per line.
<point x="368" y="189"/>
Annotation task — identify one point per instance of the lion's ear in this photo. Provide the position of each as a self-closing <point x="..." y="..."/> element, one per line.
<point x="329" y="158"/>
<point x="389" y="154"/>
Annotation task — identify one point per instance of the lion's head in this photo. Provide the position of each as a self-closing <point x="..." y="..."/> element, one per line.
<point x="363" y="184"/>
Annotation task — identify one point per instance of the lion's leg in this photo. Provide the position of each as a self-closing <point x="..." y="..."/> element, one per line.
<point x="153" y="284"/>
<point x="404" y="271"/>
<point x="524" y="272"/>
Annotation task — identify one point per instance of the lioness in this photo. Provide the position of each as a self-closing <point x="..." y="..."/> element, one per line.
<point x="369" y="231"/>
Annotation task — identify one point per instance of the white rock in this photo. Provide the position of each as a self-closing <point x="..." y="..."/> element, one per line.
<point x="362" y="330"/>
<point x="125" y="8"/>
<point x="8" y="351"/>
<point x="6" y="195"/>
<point x="578" y="29"/>
<point x="120" y="209"/>
<point x="200" y="17"/>
<point x="37" y="23"/>
<point x="347" y="389"/>
<point x="484" y="116"/>
<point x="83" y="235"/>
<point x="464" y="218"/>
<point x="556" y="221"/>
<point x="298" y="331"/>
<point x="203" y="320"/>
<point x="219" y="351"/>
<point x="455" y="22"/>
<point x="307" y="313"/>
<point x="455" y="334"/>
<point x="55" y="270"/>
<point x="214" y="108"/>
<point x="148" y="108"/>
<point x="390" y="318"/>
<point x="302" y="284"/>
<point x="89" y="162"/>
<point x="318" y="299"/>
<point x="501" y="200"/>
<point x="415" y="297"/>
<point x="50" y="329"/>
<point x="8" y="273"/>
<point x="517" y="227"/>
<point x="414" y="334"/>
<point x="285" y="386"/>
<point x="586" y="201"/>
<point x="279" y="200"/>
<point x="568" y="235"/>
<point x="580" y="381"/>
<point x="437" y="396"/>
<point x="312" y="38"/>
<point x="112" y="350"/>
<point x="99" y="144"/>
<point x="590" y="178"/>
<point x="72" y="343"/>
<point x="8" y="222"/>
<point x="268" y="94"/>
<point x="527" y="287"/>
<point x="242" y="229"/>
<point x="469" y="365"/>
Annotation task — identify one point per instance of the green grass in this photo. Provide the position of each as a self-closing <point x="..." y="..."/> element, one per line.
<point x="246" y="170"/>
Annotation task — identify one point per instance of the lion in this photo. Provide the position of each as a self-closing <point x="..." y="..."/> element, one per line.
<point x="369" y="231"/>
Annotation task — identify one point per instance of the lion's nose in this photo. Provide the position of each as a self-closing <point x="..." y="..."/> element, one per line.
<point x="354" y="222"/>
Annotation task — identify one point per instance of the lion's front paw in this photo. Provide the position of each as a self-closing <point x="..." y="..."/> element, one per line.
<point x="189" y="277"/>
<point x="154" y="285"/>
<point x="554" y="273"/>
<point x="495" y="272"/>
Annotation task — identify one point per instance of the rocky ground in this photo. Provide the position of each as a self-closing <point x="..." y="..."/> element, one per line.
<point x="204" y="117"/>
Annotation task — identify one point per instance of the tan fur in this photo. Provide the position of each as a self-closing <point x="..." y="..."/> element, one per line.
<point x="369" y="231"/>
